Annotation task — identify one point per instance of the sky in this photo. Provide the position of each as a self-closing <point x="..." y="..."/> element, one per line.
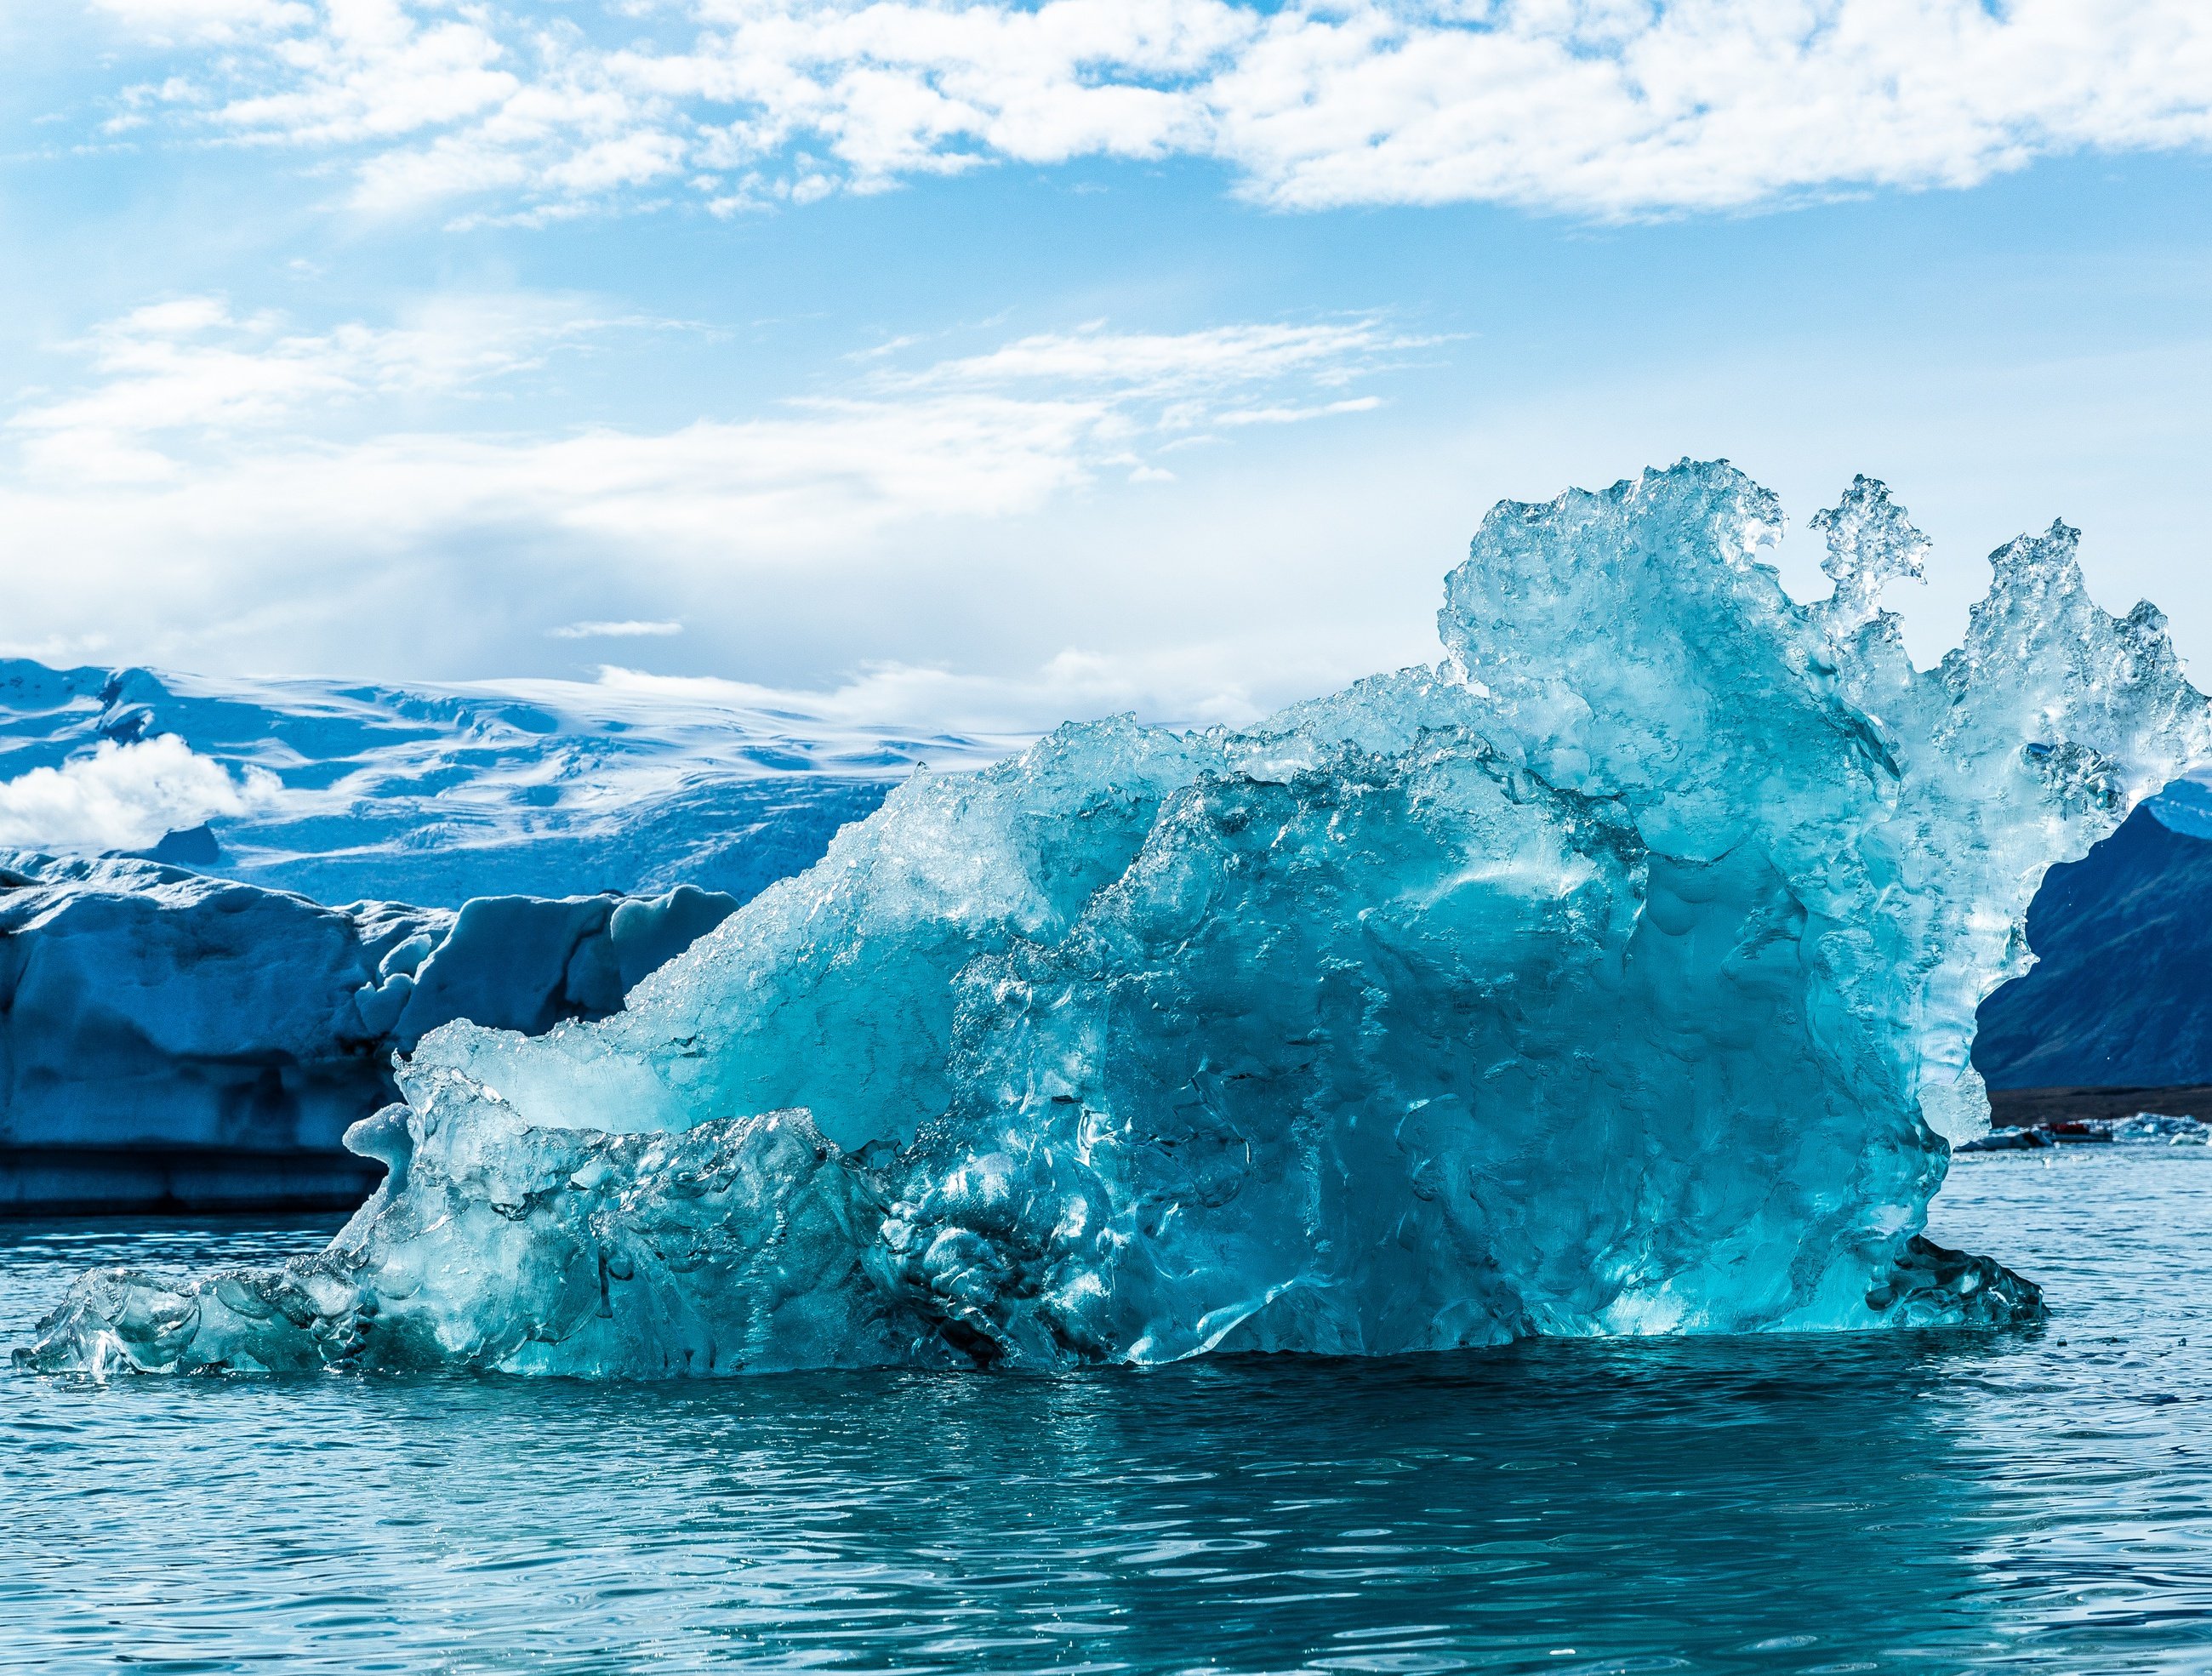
<point x="978" y="365"/>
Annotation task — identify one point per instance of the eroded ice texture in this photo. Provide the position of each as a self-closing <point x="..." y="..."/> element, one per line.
<point x="1613" y="976"/>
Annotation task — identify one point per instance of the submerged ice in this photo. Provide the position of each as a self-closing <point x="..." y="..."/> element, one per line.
<point x="1617" y="976"/>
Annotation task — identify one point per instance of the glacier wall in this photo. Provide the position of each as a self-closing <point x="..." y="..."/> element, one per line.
<point x="169" y="1037"/>
<point x="1617" y="976"/>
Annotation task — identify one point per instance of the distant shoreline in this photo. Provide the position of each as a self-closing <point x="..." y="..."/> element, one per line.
<point x="2037" y="1108"/>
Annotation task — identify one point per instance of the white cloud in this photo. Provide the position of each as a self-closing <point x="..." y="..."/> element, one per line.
<point x="218" y="409"/>
<point x="124" y="797"/>
<point x="376" y="71"/>
<point x="1296" y="415"/>
<point x="1172" y="364"/>
<point x="1597" y="107"/>
<point x="189" y="368"/>
<point x="208" y="20"/>
<point x="617" y="631"/>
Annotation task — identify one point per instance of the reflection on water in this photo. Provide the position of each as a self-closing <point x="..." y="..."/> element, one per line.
<point x="1906" y="1503"/>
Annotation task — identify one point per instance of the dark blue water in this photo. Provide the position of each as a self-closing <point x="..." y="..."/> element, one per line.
<point x="2038" y="1501"/>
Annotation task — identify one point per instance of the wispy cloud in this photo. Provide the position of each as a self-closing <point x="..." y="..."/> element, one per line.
<point x="186" y="393"/>
<point x="1589" y="106"/>
<point x="236" y="472"/>
<point x="190" y="369"/>
<point x="210" y="20"/>
<point x="1169" y="364"/>
<point x="629" y="630"/>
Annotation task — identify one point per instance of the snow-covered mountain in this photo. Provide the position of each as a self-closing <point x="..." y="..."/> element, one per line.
<point x="434" y="795"/>
<point x="177" y="1026"/>
<point x="2121" y="994"/>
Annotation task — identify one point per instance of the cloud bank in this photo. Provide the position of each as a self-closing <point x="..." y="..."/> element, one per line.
<point x="1601" y="107"/>
<point x="208" y="416"/>
<point x="208" y="488"/>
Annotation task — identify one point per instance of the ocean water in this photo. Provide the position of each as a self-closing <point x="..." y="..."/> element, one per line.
<point x="2032" y="1501"/>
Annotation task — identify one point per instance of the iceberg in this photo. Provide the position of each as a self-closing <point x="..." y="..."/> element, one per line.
<point x="1616" y="975"/>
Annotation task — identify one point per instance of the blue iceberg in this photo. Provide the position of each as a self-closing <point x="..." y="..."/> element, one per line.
<point x="1616" y="975"/>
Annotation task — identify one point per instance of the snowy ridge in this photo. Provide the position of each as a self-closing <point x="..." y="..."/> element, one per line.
<point x="432" y="795"/>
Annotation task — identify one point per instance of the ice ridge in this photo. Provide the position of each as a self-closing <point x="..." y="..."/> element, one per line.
<point x="1617" y="976"/>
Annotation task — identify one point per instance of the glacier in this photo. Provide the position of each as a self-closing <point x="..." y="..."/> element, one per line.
<point x="166" y="1042"/>
<point x="434" y="795"/>
<point x="165" y="1036"/>
<point x="1618" y="975"/>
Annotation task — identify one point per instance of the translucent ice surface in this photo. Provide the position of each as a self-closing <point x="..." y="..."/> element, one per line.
<point x="1615" y="976"/>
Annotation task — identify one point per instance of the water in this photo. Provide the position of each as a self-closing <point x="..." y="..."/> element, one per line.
<point x="2036" y="1501"/>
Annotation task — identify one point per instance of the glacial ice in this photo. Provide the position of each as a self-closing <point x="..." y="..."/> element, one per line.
<point x="1617" y="976"/>
<point x="144" y="1008"/>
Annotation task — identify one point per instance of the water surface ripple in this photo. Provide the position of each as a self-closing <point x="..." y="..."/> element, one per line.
<point x="1928" y="1501"/>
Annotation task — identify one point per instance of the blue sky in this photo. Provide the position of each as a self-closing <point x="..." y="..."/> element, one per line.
<point x="980" y="364"/>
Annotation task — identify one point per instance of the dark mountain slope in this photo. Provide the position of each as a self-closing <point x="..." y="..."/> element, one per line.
<point x="2122" y="993"/>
